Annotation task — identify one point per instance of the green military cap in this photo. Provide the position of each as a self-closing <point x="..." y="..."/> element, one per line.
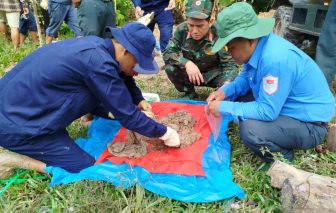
<point x="199" y="9"/>
<point x="240" y="20"/>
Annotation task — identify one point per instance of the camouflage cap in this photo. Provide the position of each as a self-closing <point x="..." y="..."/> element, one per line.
<point x="199" y="9"/>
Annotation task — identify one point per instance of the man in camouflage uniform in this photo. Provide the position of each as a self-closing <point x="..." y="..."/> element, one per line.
<point x="188" y="55"/>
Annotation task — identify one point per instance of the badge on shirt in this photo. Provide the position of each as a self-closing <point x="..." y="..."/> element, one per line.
<point x="270" y="84"/>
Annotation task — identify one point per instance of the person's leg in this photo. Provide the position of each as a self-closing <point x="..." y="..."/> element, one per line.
<point x="179" y="77"/>
<point x="32" y="27"/>
<point x="46" y="19"/>
<point x="165" y="22"/>
<point x="23" y="30"/>
<point x="3" y="26"/>
<point x="57" y="150"/>
<point x="109" y="19"/>
<point x="282" y="135"/>
<point x="88" y="18"/>
<point x="57" y="15"/>
<point x="13" y="22"/>
<point x="71" y="20"/>
<point x="87" y="119"/>
<point x="326" y="46"/>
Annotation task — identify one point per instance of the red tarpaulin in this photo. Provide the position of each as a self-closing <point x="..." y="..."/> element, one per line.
<point x="186" y="161"/>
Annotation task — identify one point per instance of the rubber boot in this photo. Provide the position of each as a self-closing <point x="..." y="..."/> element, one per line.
<point x="189" y="95"/>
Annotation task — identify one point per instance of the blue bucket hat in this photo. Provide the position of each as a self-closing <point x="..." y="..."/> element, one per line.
<point x="140" y="41"/>
<point x="138" y="69"/>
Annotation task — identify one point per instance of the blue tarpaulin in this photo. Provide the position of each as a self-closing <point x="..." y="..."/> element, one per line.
<point x="216" y="185"/>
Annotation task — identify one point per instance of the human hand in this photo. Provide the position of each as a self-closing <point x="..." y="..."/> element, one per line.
<point x="149" y="114"/>
<point x="138" y="12"/>
<point x="171" y="5"/>
<point x="25" y="11"/>
<point x="194" y="73"/>
<point x="171" y="138"/>
<point x="218" y="95"/>
<point x="44" y="4"/>
<point x="144" y="105"/>
<point x="213" y="108"/>
<point x="76" y="3"/>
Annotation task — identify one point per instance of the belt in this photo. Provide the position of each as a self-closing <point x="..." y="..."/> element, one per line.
<point x="321" y="123"/>
<point x="107" y="0"/>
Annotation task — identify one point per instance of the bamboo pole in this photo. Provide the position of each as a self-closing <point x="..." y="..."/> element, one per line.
<point x="37" y="23"/>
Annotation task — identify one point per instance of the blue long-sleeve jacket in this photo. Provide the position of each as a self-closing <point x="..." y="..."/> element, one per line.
<point x="284" y="81"/>
<point x="150" y="5"/>
<point x="60" y="82"/>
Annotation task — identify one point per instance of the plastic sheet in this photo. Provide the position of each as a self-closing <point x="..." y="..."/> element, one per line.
<point x="215" y="123"/>
<point x="216" y="185"/>
<point x="187" y="161"/>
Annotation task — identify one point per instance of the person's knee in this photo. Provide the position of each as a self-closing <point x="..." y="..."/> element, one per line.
<point x="246" y="131"/>
<point x="85" y="162"/>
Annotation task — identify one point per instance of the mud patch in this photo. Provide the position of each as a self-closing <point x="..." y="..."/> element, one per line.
<point x="181" y="121"/>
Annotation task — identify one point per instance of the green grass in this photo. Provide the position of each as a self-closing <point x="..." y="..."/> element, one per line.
<point x="100" y="196"/>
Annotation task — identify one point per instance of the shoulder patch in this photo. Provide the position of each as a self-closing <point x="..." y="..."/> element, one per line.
<point x="270" y="84"/>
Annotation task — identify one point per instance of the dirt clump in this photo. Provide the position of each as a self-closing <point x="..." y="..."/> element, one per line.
<point x="181" y="121"/>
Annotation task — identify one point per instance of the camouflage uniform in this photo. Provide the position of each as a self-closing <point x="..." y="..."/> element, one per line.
<point x="215" y="68"/>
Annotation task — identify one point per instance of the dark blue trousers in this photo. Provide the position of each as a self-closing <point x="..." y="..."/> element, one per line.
<point x="56" y="149"/>
<point x="165" y="22"/>
<point x="27" y="24"/>
<point x="282" y="135"/>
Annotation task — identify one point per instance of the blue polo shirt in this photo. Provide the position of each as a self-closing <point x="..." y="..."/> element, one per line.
<point x="284" y="81"/>
<point x="60" y="82"/>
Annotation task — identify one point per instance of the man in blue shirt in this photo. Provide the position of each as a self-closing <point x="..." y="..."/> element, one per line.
<point x="290" y="102"/>
<point x="51" y="87"/>
<point x="163" y="16"/>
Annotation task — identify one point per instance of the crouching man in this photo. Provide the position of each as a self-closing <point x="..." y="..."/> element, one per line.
<point x="59" y="83"/>
<point x="188" y="55"/>
<point x="283" y="99"/>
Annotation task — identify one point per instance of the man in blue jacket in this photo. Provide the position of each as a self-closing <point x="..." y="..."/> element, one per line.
<point x="60" y="82"/>
<point x="283" y="100"/>
<point x="163" y="16"/>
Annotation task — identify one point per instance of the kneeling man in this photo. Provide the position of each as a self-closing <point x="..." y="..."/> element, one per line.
<point x="60" y="82"/>
<point x="286" y="101"/>
<point x="188" y="55"/>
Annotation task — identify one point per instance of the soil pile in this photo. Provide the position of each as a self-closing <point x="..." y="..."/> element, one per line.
<point x="181" y="121"/>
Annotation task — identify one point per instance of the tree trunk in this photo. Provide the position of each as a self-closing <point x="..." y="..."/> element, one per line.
<point x="312" y="192"/>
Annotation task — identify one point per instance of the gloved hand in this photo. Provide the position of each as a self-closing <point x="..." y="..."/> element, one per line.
<point x="44" y="4"/>
<point x="149" y="114"/>
<point x="144" y="105"/>
<point x="171" y="138"/>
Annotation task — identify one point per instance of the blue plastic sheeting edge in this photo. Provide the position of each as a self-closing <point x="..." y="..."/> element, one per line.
<point x="217" y="185"/>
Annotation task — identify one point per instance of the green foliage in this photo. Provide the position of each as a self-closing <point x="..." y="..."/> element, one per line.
<point x="65" y="32"/>
<point x="124" y="12"/>
<point x="262" y="5"/>
<point x="9" y="54"/>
